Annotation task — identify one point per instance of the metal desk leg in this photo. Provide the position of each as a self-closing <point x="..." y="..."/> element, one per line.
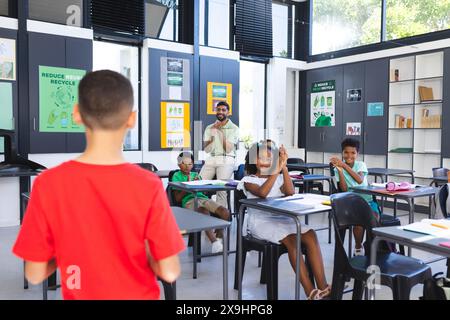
<point x="297" y="258"/>
<point x="306" y="190"/>
<point x="411" y="219"/>
<point x="373" y="262"/>
<point x="197" y="237"/>
<point x="239" y="249"/>
<point x="225" y="264"/>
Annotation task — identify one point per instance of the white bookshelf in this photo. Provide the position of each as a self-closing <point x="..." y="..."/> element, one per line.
<point x="415" y="117"/>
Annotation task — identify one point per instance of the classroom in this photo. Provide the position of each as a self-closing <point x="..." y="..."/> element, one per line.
<point x="224" y="150"/>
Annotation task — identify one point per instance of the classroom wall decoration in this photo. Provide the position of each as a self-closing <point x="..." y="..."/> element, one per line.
<point x="375" y="109"/>
<point x="175" y="125"/>
<point x="353" y="129"/>
<point x="323" y="104"/>
<point x="58" y="93"/>
<point x="354" y="95"/>
<point x="217" y="92"/>
<point x="7" y="59"/>
<point x="6" y="109"/>
<point x="175" y="79"/>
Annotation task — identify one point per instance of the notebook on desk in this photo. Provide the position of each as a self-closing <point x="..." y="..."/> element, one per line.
<point x="438" y="228"/>
<point x="288" y="205"/>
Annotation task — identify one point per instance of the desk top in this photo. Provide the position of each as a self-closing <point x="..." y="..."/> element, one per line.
<point x="416" y="193"/>
<point x="311" y="177"/>
<point x="420" y="241"/>
<point x="18" y="173"/>
<point x="308" y="198"/>
<point x="387" y="171"/>
<point x="204" y="188"/>
<point x="190" y="221"/>
<point x="309" y="165"/>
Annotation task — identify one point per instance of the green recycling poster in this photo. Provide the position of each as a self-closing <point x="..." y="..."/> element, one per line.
<point x="323" y="96"/>
<point x="58" y="92"/>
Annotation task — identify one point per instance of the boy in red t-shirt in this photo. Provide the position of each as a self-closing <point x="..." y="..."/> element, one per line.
<point x="104" y="223"/>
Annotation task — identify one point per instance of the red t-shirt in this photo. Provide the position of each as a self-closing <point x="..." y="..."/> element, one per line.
<point x="94" y="219"/>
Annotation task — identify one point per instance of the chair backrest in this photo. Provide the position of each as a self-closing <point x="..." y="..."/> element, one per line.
<point x="350" y="210"/>
<point x="148" y="166"/>
<point x="441" y="200"/>
<point x="240" y="172"/>
<point x="440" y="172"/>
<point x="296" y="161"/>
<point x="198" y="166"/>
<point x="170" y="195"/>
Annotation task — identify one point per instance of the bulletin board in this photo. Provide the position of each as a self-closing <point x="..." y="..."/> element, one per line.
<point x="175" y="125"/>
<point x="216" y="92"/>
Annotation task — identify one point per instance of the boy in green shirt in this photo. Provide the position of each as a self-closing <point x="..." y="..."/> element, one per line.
<point x="350" y="173"/>
<point x="205" y="205"/>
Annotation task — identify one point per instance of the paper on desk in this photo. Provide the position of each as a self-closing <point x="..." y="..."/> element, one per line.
<point x="378" y="185"/>
<point x="425" y="227"/>
<point x="204" y="182"/>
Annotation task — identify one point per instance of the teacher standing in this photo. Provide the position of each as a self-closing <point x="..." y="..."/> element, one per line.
<point x="220" y="142"/>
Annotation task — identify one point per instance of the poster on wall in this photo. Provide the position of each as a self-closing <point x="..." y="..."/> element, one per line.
<point x="323" y="104"/>
<point x="353" y="129"/>
<point x="354" y="95"/>
<point x="7" y="59"/>
<point x="217" y="92"/>
<point x="175" y="84"/>
<point x="58" y="92"/>
<point x="175" y="125"/>
<point x="375" y="109"/>
<point x="6" y="109"/>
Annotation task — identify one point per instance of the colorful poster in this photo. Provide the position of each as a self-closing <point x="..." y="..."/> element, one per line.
<point x="353" y="129"/>
<point x="323" y="104"/>
<point x="7" y="59"/>
<point x="217" y="92"/>
<point x="375" y="109"/>
<point x="58" y="93"/>
<point x="175" y="125"/>
<point x="175" y="83"/>
<point x="6" y="109"/>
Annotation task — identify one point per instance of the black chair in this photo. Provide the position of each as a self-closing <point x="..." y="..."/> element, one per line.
<point x="198" y="165"/>
<point x="147" y="166"/>
<point x="398" y="272"/>
<point x="441" y="201"/>
<point x="271" y="253"/>
<point x="301" y="186"/>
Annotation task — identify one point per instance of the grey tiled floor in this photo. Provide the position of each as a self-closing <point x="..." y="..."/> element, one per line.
<point x="208" y="285"/>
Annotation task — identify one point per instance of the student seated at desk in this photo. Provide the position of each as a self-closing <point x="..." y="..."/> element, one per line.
<point x="350" y="173"/>
<point x="263" y="163"/>
<point x="205" y="205"/>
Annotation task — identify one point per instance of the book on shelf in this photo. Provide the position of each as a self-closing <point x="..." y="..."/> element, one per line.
<point x="394" y="75"/>
<point x="425" y="94"/>
<point x="402" y="150"/>
<point x="430" y="121"/>
<point x="402" y="122"/>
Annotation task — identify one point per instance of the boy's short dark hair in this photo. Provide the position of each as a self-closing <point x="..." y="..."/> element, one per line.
<point x="349" y="142"/>
<point x="105" y="99"/>
<point x="185" y="154"/>
<point x="223" y="104"/>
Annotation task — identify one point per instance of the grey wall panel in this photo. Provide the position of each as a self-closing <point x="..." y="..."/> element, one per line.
<point x="78" y="56"/>
<point x="155" y="94"/>
<point x="46" y="50"/>
<point x="446" y="107"/>
<point x="218" y="70"/>
<point x="353" y="111"/>
<point x="377" y="90"/>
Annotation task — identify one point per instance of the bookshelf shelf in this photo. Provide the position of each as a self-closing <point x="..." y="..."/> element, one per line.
<point x="415" y="113"/>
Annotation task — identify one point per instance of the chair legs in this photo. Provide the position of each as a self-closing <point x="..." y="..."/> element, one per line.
<point x="358" y="290"/>
<point x="337" y="289"/>
<point x="170" y="290"/>
<point x="244" y="256"/>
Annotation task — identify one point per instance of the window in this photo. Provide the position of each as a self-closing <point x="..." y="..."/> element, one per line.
<point x="125" y="60"/>
<point x="69" y="12"/>
<point x="345" y="24"/>
<point x="161" y="21"/>
<point x="282" y="29"/>
<point x="4" y="7"/>
<point x="405" y="18"/>
<point x="215" y="23"/>
<point x="251" y="101"/>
